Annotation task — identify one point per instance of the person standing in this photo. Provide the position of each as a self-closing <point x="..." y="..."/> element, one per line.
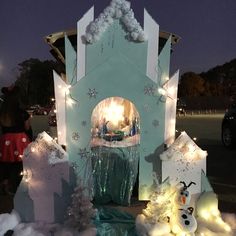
<point x="16" y="135"/>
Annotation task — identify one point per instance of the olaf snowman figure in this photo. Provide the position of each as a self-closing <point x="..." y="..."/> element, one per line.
<point x="184" y="197"/>
<point x="183" y="222"/>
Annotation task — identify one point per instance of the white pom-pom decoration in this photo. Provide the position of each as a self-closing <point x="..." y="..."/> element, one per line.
<point x="118" y="9"/>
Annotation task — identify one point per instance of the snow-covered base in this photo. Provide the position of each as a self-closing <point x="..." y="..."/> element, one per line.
<point x="12" y="222"/>
<point x="144" y="228"/>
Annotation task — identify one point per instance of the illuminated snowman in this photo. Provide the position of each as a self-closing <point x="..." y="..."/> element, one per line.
<point x="183" y="222"/>
<point x="184" y="196"/>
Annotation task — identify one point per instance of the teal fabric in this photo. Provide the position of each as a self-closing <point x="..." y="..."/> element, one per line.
<point x="114" y="174"/>
<point x="112" y="222"/>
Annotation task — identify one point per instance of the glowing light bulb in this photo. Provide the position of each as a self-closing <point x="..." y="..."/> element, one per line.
<point x="162" y="91"/>
<point x="206" y="215"/>
<point x="227" y="228"/>
<point x="215" y="212"/>
<point x="32" y="149"/>
<point x="70" y="102"/>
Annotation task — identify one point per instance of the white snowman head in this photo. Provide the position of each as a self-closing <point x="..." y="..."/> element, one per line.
<point x="184" y="196"/>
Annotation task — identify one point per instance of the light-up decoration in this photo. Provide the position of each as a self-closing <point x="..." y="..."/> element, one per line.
<point x="163" y="92"/>
<point x="154" y="219"/>
<point x="26" y="175"/>
<point x="160" y="207"/>
<point x="171" y="102"/>
<point x="44" y="173"/>
<point x="114" y="113"/>
<point x="115" y="119"/>
<point x="61" y="88"/>
<point x="166" y="214"/>
<point x="70" y="101"/>
<point x="209" y="215"/>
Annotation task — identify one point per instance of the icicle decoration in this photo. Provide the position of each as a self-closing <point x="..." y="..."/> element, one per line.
<point x="118" y="9"/>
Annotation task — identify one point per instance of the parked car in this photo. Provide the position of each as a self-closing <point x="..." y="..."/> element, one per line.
<point x="42" y="111"/>
<point x="228" y="128"/>
<point x="38" y="110"/>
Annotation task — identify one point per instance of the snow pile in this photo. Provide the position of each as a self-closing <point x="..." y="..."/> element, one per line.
<point x="118" y="9"/>
<point x="12" y="222"/>
<point x="26" y="230"/>
<point x="8" y="221"/>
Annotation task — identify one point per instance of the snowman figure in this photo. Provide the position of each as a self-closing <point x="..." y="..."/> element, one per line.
<point x="184" y="195"/>
<point x="183" y="221"/>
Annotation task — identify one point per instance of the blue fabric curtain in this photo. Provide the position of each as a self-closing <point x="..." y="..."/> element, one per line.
<point x="112" y="222"/>
<point x="114" y="173"/>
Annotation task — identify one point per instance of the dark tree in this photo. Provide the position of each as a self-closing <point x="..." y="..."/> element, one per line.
<point x="191" y="84"/>
<point x="36" y="80"/>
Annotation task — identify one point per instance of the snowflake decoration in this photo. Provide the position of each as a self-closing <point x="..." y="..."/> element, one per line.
<point x="149" y="90"/>
<point x="75" y="136"/>
<point x="92" y="93"/>
<point x="155" y="123"/>
<point x="146" y="107"/>
<point x="83" y="153"/>
<point x="74" y="165"/>
<point x="84" y="123"/>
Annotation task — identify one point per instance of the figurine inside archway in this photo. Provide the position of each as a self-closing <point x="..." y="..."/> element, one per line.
<point x="115" y="122"/>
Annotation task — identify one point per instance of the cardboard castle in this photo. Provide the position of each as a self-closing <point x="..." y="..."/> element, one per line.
<point x="116" y="113"/>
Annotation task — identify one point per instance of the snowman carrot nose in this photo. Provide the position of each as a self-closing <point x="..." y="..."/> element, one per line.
<point x="183" y="200"/>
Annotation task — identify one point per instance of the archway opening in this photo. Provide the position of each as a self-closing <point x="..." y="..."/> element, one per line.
<point x="115" y="122"/>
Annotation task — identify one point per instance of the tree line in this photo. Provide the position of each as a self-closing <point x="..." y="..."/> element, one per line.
<point x="35" y="79"/>
<point x="218" y="81"/>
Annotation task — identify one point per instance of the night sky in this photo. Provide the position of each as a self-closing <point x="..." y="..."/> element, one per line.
<point x="207" y="29"/>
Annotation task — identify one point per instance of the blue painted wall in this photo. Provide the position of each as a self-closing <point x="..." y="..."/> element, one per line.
<point x="116" y="66"/>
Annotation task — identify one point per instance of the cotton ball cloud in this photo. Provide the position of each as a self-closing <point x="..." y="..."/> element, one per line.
<point x="118" y="9"/>
<point x="8" y="221"/>
<point x="143" y="227"/>
<point x="26" y="230"/>
<point x="230" y="219"/>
